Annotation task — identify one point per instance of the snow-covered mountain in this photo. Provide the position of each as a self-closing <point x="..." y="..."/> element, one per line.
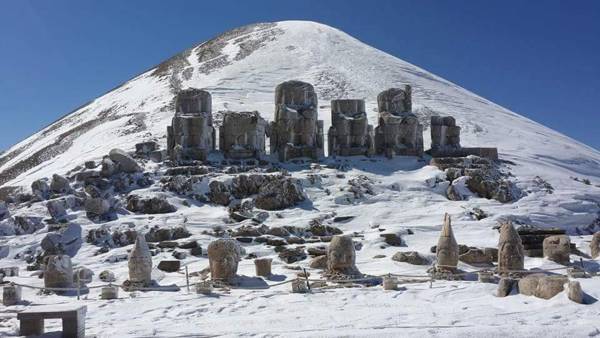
<point x="363" y="197"/>
<point x="241" y="69"/>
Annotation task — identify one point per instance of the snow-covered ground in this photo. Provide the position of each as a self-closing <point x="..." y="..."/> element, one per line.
<point x="406" y="197"/>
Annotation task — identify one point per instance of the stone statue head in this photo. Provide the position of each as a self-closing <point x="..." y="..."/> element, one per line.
<point x="296" y="94"/>
<point x="395" y="100"/>
<point x="224" y="256"/>
<point x="193" y="101"/>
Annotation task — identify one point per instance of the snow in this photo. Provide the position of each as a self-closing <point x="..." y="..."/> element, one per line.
<point x="407" y="197"/>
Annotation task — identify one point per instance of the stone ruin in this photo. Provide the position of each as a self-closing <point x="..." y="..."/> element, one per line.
<point x="242" y="135"/>
<point x="445" y="141"/>
<point x="223" y="258"/>
<point x="296" y="131"/>
<point x="58" y="272"/>
<point x="350" y="132"/>
<point x="341" y="258"/>
<point x="191" y="135"/>
<point x="140" y="265"/>
<point x="447" y="248"/>
<point x="510" y="250"/>
<point x="399" y="131"/>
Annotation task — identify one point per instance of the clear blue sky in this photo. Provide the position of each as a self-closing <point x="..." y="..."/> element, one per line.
<point x="538" y="58"/>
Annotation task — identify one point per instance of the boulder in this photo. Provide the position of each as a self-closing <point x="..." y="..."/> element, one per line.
<point x="58" y="272"/>
<point x="280" y="194"/>
<point x="169" y="265"/>
<point x="125" y="162"/>
<point x="557" y="249"/>
<point x="318" y="229"/>
<point x="224" y="256"/>
<point x="528" y="285"/>
<point x="219" y="193"/>
<point x="550" y="286"/>
<point x="319" y="262"/>
<point x="292" y="255"/>
<point x="505" y="286"/>
<point x="341" y="257"/>
<point x="40" y="189"/>
<point x="60" y="185"/>
<point x="4" y="213"/>
<point x="145" y="148"/>
<point x="393" y="239"/>
<point x="57" y="209"/>
<point x="96" y="207"/>
<point x="149" y="205"/>
<point x="24" y="225"/>
<point x="477" y="256"/>
<point x="66" y="241"/>
<point x="410" y="257"/>
<point x="108" y="167"/>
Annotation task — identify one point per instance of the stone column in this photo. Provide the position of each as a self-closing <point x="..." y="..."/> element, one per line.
<point x="263" y="266"/>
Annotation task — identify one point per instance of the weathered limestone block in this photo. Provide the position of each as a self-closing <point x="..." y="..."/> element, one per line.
<point x="574" y="292"/>
<point x="263" y="266"/>
<point x="109" y="292"/>
<point x="447" y="247"/>
<point x="350" y="132"/>
<point x="223" y="257"/>
<point x="510" y="249"/>
<point x="140" y="263"/>
<point x="4" y="213"/>
<point x="11" y="295"/>
<point x="399" y="131"/>
<point x="58" y="272"/>
<point x="390" y="283"/>
<point x="410" y="257"/>
<point x="191" y="135"/>
<point x="296" y="131"/>
<point x="595" y="245"/>
<point x="341" y="257"/>
<point x="83" y="275"/>
<point x="242" y="135"/>
<point x="528" y="285"/>
<point x="557" y="249"/>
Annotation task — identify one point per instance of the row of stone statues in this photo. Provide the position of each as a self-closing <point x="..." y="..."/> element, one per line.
<point x="297" y="131"/>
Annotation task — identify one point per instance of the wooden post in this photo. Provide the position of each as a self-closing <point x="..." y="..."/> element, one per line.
<point x="307" y="282"/>
<point x="78" y="286"/>
<point x="187" y="279"/>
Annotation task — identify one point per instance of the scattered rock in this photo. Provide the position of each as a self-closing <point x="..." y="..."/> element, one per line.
<point x="291" y="255"/>
<point x="505" y="286"/>
<point x="557" y="249"/>
<point x="58" y="272"/>
<point x="125" y="162"/>
<point x="83" y="275"/>
<point x="149" y="205"/>
<point x="410" y="257"/>
<point x="550" y="286"/>
<point x="169" y="266"/>
<point x="319" y="262"/>
<point x="574" y="292"/>
<point x="107" y="276"/>
<point x="40" y="189"/>
<point x="280" y="194"/>
<point x="476" y="256"/>
<point x="96" y="208"/>
<point x="595" y="245"/>
<point x="60" y="185"/>
<point x="393" y="239"/>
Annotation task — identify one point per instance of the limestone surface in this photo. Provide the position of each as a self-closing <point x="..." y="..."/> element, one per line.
<point x="557" y="249"/>
<point x="350" y="132"/>
<point x="510" y="249"/>
<point x="242" y="135"/>
<point x="341" y="257"/>
<point x="140" y="262"/>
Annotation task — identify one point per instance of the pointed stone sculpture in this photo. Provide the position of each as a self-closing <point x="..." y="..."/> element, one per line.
<point x="140" y="263"/>
<point x="510" y="249"/>
<point x="223" y="258"/>
<point x="447" y="247"/>
<point x="341" y="257"/>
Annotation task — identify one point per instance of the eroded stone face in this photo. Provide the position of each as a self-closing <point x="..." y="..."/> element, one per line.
<point x="350" y="133"/>
<point x="296" y="131"/>
<point x="445" y="134"/>
<point x="140" y="262"/>
<point x="58" y="272"/>
<point x="399" y="131"/>
<point x="223" y="257"/>
<point x="191" y="135"/>
<point x="242" y="135"/>
<point x="341" y="257"/>
<point x="510" y="249"/>
<point x="447" y="247"/>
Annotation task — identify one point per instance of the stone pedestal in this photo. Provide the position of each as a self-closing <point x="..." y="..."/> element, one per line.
<point x="191" y="135"/>
<point x="11" y="295"/>
<point x="350" y="133"/>
<point x="390" y="283"/>
<point x="296" y="131"/>
<point x="263" y="266"/>
<point x="399" y="131"/>
<point x="242" y="135"/>
<point x="109" y="292"/>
